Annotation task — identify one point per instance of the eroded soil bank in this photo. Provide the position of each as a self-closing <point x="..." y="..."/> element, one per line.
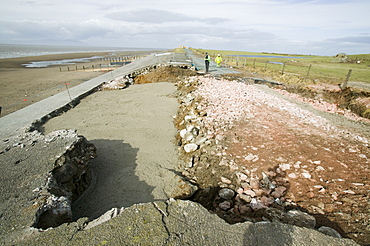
<point x="354" y="97"/>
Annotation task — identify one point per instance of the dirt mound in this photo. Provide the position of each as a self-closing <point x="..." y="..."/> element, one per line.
<point x="353" y="99"/>
<point x="361" y="106"/>
<point x="164" y="74"/>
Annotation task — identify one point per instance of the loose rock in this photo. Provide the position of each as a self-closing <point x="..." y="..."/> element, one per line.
<point x="300" y="218"/>
<point x="226" y="193"/>
<point x="329" y="231"/>
<point x="225" y="205"/>
<point x="191" y="147"/>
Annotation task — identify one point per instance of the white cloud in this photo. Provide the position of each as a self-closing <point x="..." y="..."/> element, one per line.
<point x="158" y="16"/>
<point x="363" y="39"/>
<point x="297" y="26"/>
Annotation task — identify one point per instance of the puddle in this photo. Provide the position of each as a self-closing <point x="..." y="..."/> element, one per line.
<point x="42" y="64"/>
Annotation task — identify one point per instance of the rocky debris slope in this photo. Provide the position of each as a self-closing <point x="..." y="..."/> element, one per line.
<point x="41" y="177"/>
<point x="258" y="157"/>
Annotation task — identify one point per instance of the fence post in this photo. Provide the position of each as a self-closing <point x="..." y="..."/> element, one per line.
<point x="245" y="62"/>
<point x="68" y="91"/>
<point x="254" y="63"/>
<point x="308" y="72"/>
<point x="282" y="71"/>
<point x="266" y="65"/>
<point x="347" y="79"/>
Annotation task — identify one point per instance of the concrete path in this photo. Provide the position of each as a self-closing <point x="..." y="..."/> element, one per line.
<point x="134" y="134"/>
<point x="12" y="123"/>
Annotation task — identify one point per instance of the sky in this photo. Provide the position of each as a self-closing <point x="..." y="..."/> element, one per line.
<point x="317" y="27"/>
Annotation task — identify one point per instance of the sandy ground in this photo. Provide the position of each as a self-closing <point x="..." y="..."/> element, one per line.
<point x="134" y="133"/>
<point x="21" y="86"/>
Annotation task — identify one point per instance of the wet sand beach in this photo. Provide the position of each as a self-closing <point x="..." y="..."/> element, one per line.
<point x="21" y="86"/>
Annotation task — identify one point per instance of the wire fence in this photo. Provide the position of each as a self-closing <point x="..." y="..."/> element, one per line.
<point x="104" y="64"/>
<point x="303" y="71"/>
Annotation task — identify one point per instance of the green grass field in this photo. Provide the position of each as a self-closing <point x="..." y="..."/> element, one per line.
<point x="331" y="69"/>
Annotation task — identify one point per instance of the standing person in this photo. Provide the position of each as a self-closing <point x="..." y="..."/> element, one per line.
<point x="218" y="60"/>
<point x="207" y="60"/>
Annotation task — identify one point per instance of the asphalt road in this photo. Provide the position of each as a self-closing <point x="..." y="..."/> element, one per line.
<point x="199" y="64"/>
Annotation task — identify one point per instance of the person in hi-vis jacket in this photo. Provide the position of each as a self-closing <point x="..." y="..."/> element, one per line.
<point x="218" y="60"/>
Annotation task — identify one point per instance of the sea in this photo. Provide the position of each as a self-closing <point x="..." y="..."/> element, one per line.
<point x="18" y="50"/>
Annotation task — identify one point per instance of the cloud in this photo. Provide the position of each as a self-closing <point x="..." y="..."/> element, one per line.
<point x="159" y="16"/>
<point x="55" y="31"/>
<point x="286" y="26"/>
<point x="137" y="34"/>
<point x="251" y="35"/>
<point x="37" y="3"/>
<point x="317" y="2"/>
<point x="364" y="39"/>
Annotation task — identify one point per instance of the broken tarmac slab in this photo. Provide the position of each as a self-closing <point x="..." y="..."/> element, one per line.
<point x="177" y="222"/>
<point x="40" y="177"/>
<point x="25" y="187"/>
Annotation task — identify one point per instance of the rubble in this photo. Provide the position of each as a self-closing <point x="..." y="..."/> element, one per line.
<point x="229" y="116"/>
<point x="47" y="182"/>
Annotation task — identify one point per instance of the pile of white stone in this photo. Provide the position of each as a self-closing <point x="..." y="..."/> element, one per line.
<point x="211" y="108"/>
<point x="118" y="83"/>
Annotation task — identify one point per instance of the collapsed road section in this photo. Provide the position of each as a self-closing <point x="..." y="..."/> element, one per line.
<point x="169" y="222"/>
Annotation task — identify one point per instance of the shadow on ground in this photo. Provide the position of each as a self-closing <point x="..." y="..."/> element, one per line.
<point x="114" y="183"/>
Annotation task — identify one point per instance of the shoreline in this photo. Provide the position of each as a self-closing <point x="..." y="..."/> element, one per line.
<point x="16" y="62"/>
<point x="22" y="86"/>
